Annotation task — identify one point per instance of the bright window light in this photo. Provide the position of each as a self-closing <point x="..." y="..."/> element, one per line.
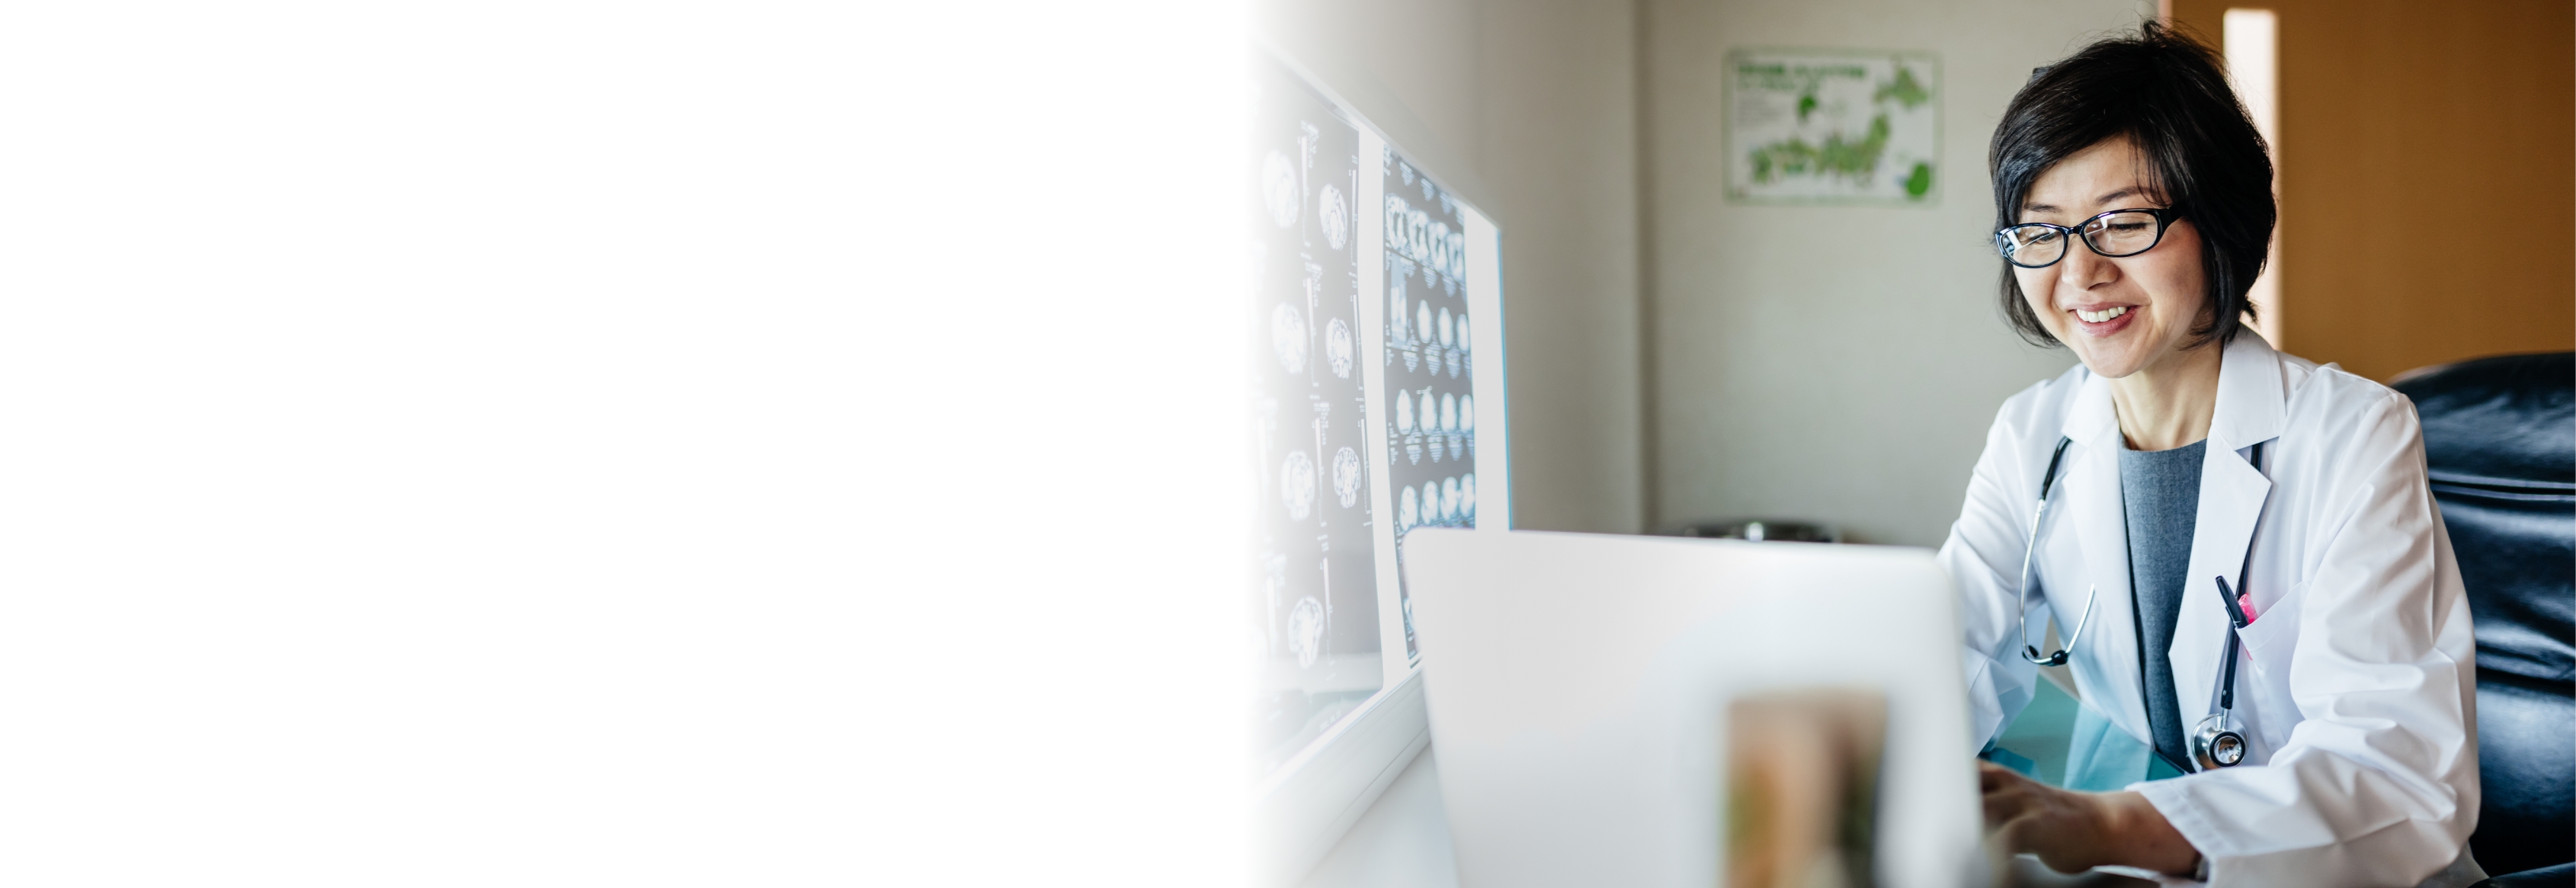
<point x="2252" y="40"/>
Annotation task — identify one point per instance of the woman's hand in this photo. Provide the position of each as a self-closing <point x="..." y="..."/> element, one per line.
<point x="2076" y="831"/>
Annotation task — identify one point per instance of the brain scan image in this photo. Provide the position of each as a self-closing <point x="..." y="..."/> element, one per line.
<point x="1403" y="411"/>
<point x="1297" y="485"/>
<point x="1346" y="476"/>
<point x="1466" y="413"/>
<point x="1408" y="510"/>
<point x="1338" y="348"/>
<point x="1320" y="500"/>
<point x="1334" y="215"/>
<point x="1463" y="338"/>
<point x="1413" y="452"/>
<point x="1279" y="188"/>
<point x="1288" y="337"/>
<point x="1422" y="320"/>
<point x="1448" y="330"/>
<point x="1449" y="499"/>
<point x="1306" y="631"/>
<point x="1457" y="447"/>
<point x="1449" y="412"/>
<point x="1467" y="495"/>
<point x="1395" y="311"/>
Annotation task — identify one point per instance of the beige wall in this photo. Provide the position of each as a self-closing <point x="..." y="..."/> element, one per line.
<point x="1834" y="363"/>
<point x="1535" y="100"/>
<point x="2428" y="177"/>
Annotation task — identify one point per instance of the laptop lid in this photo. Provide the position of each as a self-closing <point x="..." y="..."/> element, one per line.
<point x="1580" y="688"/>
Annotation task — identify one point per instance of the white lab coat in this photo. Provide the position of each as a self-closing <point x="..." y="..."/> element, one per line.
<point x="2356" y="682"/>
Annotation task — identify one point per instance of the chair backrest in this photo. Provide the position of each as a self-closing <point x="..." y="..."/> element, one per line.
<point x="2500" y="445"/>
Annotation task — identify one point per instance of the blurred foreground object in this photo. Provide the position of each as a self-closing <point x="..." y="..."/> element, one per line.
<point x="2500" y="446"/>
<point x="1802" y="787"/>
<point x="1764" y="530"/>
<point x="1580" y="689"/>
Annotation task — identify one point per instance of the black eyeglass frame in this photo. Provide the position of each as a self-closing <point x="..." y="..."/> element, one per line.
<point x="2165" y="218"/>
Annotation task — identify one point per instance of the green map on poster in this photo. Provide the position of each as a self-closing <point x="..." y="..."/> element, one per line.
<point x="1815" y="126"/>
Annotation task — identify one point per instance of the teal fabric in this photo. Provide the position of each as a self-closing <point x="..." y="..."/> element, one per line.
<point x="2040" y="733"/>
<point x="2062" y="742"/>
<point x="2013" y="760"/>
<point x="2102" y="758"/>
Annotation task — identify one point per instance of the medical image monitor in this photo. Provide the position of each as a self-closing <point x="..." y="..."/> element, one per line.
<point x="1376" y="336"/>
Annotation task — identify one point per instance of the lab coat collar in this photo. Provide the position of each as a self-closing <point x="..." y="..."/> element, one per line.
<point x="2092" y="504"/>
<point x="2253" y="399"/>
<point x="2253" y="394"/>
<point x="2251" y="406"/>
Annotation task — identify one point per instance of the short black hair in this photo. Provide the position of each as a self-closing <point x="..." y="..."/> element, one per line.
<point x="2169" y="94"/>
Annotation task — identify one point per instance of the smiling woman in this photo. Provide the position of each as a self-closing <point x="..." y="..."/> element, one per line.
<point x="2158" y="129"/>
<point x="2131" y="311"/>
<point x="2191" y="481"/>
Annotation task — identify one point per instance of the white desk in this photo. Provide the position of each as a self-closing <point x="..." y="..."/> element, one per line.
<point x="1402" y="842"/>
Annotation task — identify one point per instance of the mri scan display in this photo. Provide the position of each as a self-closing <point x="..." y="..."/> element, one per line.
<point x="1297" y="485"/>
<point x="1314" y="566"/>
<point x="1339" y="347"/>
<point x="1370" y="281"/>
<point x="1347" y="473"/>
<point x="1333" y="215"/>
<point x="1288" y="337"/>
<point x="1430" y="454"/>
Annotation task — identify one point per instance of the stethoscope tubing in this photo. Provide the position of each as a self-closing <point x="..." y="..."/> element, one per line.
<point x="2235" y="614"/>
<point x="2029" y="651"/>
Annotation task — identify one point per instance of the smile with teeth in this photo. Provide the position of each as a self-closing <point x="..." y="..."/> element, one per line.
<point x="2096" y="317"/>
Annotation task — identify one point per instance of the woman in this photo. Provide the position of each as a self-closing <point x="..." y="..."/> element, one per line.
<point x="2186" y="465"/>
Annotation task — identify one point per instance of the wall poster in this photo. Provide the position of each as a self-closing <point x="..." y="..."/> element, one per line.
<point x="1833" y="126"/>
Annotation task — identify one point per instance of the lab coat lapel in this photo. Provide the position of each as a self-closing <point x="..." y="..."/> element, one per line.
<point x="2092" y="509"/>
<point x="2251" y="404"/>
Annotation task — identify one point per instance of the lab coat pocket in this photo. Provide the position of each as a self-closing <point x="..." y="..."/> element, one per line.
<point x="2274" y="634"/>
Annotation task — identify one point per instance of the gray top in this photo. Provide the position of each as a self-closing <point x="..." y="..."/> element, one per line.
<point x="2160" y="494"/>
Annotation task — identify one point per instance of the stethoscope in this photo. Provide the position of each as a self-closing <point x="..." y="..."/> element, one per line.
<point x="2030" y="651"/>
<point x="2214" y="742"/>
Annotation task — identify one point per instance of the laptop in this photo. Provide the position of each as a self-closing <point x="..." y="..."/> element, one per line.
<point x="1649" y="712"/>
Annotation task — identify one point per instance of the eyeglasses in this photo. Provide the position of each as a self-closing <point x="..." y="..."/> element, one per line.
<point x="2110" y="235"/>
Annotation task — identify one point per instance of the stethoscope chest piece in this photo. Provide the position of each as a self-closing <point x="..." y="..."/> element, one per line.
<point x="2214" y="746"/>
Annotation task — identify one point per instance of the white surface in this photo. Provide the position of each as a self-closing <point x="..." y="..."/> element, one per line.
<point x="1577" y="687"/>
<point x="1301" y="811"/>
<point x="543" y="443"/>
<point x="1835" y="363"/>
<point x="1402" y="842"/>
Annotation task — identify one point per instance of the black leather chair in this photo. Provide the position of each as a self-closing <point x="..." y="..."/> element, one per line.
<point x="2500" y="441"/>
